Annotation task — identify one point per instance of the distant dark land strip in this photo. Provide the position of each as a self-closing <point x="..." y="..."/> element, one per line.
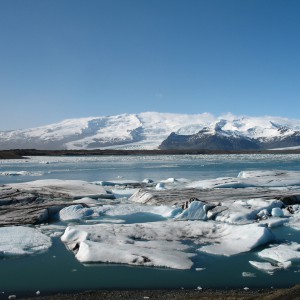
<point x="21" y="153"/>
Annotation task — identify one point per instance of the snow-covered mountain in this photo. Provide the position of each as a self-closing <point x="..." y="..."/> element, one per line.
<point x="239" y="133"/>
<point x="149" y="130"/>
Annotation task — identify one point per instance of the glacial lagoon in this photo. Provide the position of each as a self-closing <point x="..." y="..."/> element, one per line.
<point x="56" y="269"/>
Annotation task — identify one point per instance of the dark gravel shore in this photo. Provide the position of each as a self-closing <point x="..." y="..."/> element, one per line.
<point x="267" y="294"/>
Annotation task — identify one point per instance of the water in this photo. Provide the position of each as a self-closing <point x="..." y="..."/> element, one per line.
<point x="195" y="167"/>
<point x="57" y="270"/>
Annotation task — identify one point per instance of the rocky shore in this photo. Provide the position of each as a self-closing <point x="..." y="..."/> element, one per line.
<point x="264" y="294"/>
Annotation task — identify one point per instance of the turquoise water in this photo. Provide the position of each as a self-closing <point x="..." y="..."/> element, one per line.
<point x="57" y="270"/>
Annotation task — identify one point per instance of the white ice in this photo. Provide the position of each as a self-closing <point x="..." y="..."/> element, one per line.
<point x="237" y="239"/>
<point x="161" y="237"/>
<point x="196" y="211"/>
<point x="75" y="212"/>
<point x="132" y="209"/>
<point x="270" y="179"/>
<point x="121" y="193"/>
<point x="20" y="173"/>
<point x="71" y="188"/>
<point x="294" y="219"/>
<point x="268" y="267"/>
<point x="282" y="253"/>
<point x="264" y="266"/>
<point x="119" y="182"/>
<point x="21" y="240"/>
<point x="246" y="211"/>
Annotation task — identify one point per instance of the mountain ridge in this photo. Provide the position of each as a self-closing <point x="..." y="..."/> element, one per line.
<point x="153" y="130"/>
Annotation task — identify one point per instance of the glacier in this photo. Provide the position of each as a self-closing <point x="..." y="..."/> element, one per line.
<point x="149" y="130"/>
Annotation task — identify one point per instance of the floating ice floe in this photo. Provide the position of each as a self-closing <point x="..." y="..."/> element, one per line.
<point x="116" y="182"/>
<point x="132" y="209"/>
<point x="158" y="243"/>
<point x="268" y="267"/>
<point x="251" y="179"/>
<point x="67" y="188"/>
<point x="282" y="253"/>
<point x="20" y="240"/>
<point x="237" y="239"/>
<point x="20" y="173"/>
<point x="248" y="274"/>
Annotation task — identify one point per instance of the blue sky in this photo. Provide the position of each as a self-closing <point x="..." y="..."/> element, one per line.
<point x="77" y="58"/>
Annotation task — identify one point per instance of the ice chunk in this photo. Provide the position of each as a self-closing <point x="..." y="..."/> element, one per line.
<point x="88" y="201"/>
<point x="238" y="239"/>
<point x="252" y="179"/>
<point x="159" y="254"/>
<point x="263" y="214"/>
<point x="116" y="182"/>
<point x="131" y="209"/>
<point x="75" y="212"/>
<point x="248" y="274"/>
<point x="148" y="180"/>
<point x="247" y="211"/>
<point x="274" y="222"/>
<point x="169" y="180"/>
<point x="282" y="253"/>
<point x="20" y="173"/>
<point x="67" y="188"/>
<point x="277" y="212"/>
<point x="294" y="221"/>
<point x="270" y="268"/>
<point x="123" y="193"/>
<point x="271" y="178"/>
<point x="195" y="211"/>
<point x="162" y="238"/>
<point x="20" y="240"/>
<point x="73" y="236"/>
<point x="264" y="266"/>
<point x="160" y="186"/>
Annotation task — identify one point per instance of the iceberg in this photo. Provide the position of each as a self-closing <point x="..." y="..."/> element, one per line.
<point x="21" y="240"/>
<point x="146" y="253"/>
<point x="130" y="242"/>
<point x="196" y="211"/>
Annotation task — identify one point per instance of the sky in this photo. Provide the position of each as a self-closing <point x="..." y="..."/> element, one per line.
<point x="62" y="59"/>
